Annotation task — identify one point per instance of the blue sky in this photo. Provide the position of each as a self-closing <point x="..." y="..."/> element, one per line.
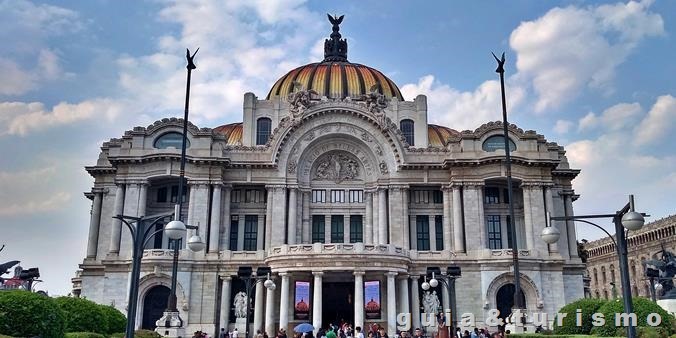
<point x="596" y="77"/>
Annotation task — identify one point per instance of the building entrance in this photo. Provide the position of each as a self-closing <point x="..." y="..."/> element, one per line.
<point x="337" y="302"/>
<point x="154" y="305"/>
<point x="505" y="300"/>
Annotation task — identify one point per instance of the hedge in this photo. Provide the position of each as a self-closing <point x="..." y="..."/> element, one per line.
<point x="117" y="322"/>
<point x="146" y="334"/>
<point x="538" y="335"/>
<point x="642" y="308"/>
<point x="82" y="315"/>
<point x="568" y="327"/>
<point x="27" y="314"/>
<point x="84" y="335"/>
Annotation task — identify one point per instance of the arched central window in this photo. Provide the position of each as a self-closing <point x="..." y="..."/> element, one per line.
<point x="263" y="127"/>
<point x="497" y="142"/>
<point x="171" y="140"/>
<point x="406" y="127"/>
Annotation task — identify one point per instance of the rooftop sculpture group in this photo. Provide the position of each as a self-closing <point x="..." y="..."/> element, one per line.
<point x="667" y="267"/>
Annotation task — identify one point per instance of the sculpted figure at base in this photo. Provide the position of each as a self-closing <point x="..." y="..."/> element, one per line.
<point x="240" y="305"/>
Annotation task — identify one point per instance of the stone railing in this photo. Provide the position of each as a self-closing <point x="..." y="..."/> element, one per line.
<point x="432" y="255"/>
<point x="509" y="252"/>
<point x="338" y="248"/>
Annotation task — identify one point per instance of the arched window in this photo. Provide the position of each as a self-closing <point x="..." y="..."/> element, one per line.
<point x="171" y="140"/>
<point x="263" y="127"/>
<point x="612" y="273"/>
<point x="497" y="142"/>
<point x="605" y="294"/>
<point x="598" y="295"/>
<point x="406" y="127"/>
<point x="596" y="277"/>
<point x="603" y="275"/>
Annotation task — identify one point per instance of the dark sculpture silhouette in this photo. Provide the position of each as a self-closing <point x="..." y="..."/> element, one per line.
<point x="191" y="64"/>
<point x="667" y="267"/>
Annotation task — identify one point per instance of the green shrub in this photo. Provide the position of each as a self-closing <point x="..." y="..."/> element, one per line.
<point x="587" y="306"/>
<point x="651" y="332"/>
<point x="82" y="315"/>
<point x="117" y="322"/>
<point x="147" y="334"/>
<point x="27" y="314"/>
<point x="84" y="335"/>
<point x="118" y="335"/>
<point x="642" y="308"/>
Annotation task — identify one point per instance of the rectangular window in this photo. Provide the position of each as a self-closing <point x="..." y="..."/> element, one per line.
<point x="162" y="195"/>
<point x="505" y="195"/>
<point x="356" y="196"/>
<point x="337" y="196"/>
<point x="157" y="240"/>
<point x="437" y="196"/>
<point x="439" y="232"/>
<point x="356" y="229"/>
<point x="174" y="193"/>
<point x="318" y="196"/>
<point x="422" y="230"/>
<point x="494" y="232"/>
<point x="250" y="232"/>
<point x="254" y="196"/>
<point x="234" y="229"/>
<point x="509" y="232"/>
<point x="236" y="196"/>
<point x="491" y="195"/>
<point x="337" y="228"/>
<point x="318" y="228"/>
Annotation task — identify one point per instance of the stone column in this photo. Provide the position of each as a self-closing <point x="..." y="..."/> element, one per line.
<point x="258" y="307"/>
<point x="327" y="229"/>
<point x="391" y="304"/>
<point x="382" y="216"/>
<point x="396" y="237"/>
<point x="116" y="230"/>
<point x="415" y="301"/>
<point x="192" y="192"/>
<point x="260" y="230"/>
<point x="446" y="218"/>
<point x="215" y="226"/>
<point x="376" y="235"/>
<point x="317" y="301"/>
<point x="270" y="310"/>
<point x="413" y="231"/>
<point x="527" y="216"/>
<point x="142" y="199"/>
<point x="406" y="225"/>
<point x="368" y="218"/>
<point x="458" y="225"/>
<point x="283" y="302"/>
<point x="306" y="235"/>
<point x="433" y="233"/>
<point x="549" y="206"/>
<point x="403" y="295"/>
<point x="445" y="298"/>
<point x="346" y="228"/>
<point x="268" y="216"/>
<point x="570" y="226"/>
<point x="359" y="299"/>
<point x="225" y="302"/>
<point x="94" y="225"/>
<point x="227" y="191"/>
<point x="278" y="216"/>
<point x="473" y="206"/>
<point x="291" y="226"/>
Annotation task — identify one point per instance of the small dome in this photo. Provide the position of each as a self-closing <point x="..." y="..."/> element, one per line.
<point x="336" y="80"/>
<point x="335" y="77"/>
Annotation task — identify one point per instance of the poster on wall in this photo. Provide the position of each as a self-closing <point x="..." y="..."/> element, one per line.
<point x="301" y="303"/>
<point x="372" y="299"/>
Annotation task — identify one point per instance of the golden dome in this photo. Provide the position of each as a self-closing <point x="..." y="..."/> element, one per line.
<point x="336" y="80"/>
<point x="335" y="77"/>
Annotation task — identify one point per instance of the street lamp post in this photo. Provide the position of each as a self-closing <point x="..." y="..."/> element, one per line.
<point x="627" y="218"/>
<point x="245" y="273"/>
<point x="452" y="273"/>
<point x="140" y="228"/>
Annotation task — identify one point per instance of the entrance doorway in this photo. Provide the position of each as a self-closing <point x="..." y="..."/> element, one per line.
<point x="337" y="302"/>
<point x="505" y="300"/>
<point x="154" y="305"/>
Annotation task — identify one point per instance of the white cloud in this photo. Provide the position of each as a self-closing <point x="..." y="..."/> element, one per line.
<point x="463" y="110"/>
<point x="20" y="118"/>
<point x="15" y="80"/>
<point x="18" y="194"/>
<point x="562" y="126"/>
<point x="571" y="48"/>
<point x="660" y="121"/>
<point x="613" y="118"/>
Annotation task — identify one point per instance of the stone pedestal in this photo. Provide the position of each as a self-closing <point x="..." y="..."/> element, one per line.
<point x="173" y="329"/>
<point x="668" y="304"/>
<point x="240" y="325"/>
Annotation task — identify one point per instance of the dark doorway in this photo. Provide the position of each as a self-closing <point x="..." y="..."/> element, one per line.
<point x="505" y="300"/>
<point x="154" y="305"/>
<point x="337" y="302"/>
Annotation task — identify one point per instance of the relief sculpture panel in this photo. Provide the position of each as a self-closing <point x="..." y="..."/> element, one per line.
<point x="336" y="167"/>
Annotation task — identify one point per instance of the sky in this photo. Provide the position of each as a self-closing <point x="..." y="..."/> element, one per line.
<point x="595" y="77"/>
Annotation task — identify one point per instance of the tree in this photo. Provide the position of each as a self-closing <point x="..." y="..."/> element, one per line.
<point x="27" y="314"/>
<point x="587" y="307"/>
<point x="83" y="315"/>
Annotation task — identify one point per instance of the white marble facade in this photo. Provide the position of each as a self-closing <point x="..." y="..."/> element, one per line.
<point x="334" y="195"/>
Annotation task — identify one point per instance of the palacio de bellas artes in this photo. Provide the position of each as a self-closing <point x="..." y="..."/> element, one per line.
<point x="336" y="198"/>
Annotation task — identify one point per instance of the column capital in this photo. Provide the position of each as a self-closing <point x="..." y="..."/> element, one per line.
<point x="446" y="187"/>
<point x="100" y="190"/>
<point x="402" y="276"/>
<point x="284" y="274"/>
<point x="317" y="273"/>
<point x="226" y="277"/>
<point x="275" y="186"/>
<point x="535" y="184"/>
<point x="399" y="186"/>
<point x="391" y="274"/>
<point x="128" y="181"/>
<point x="199" y="183"/>
<point x="359" y="273"/>
<point x="293" y="187"/>
<point x="475" y="184"/>
<point x="414" y="277"/>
